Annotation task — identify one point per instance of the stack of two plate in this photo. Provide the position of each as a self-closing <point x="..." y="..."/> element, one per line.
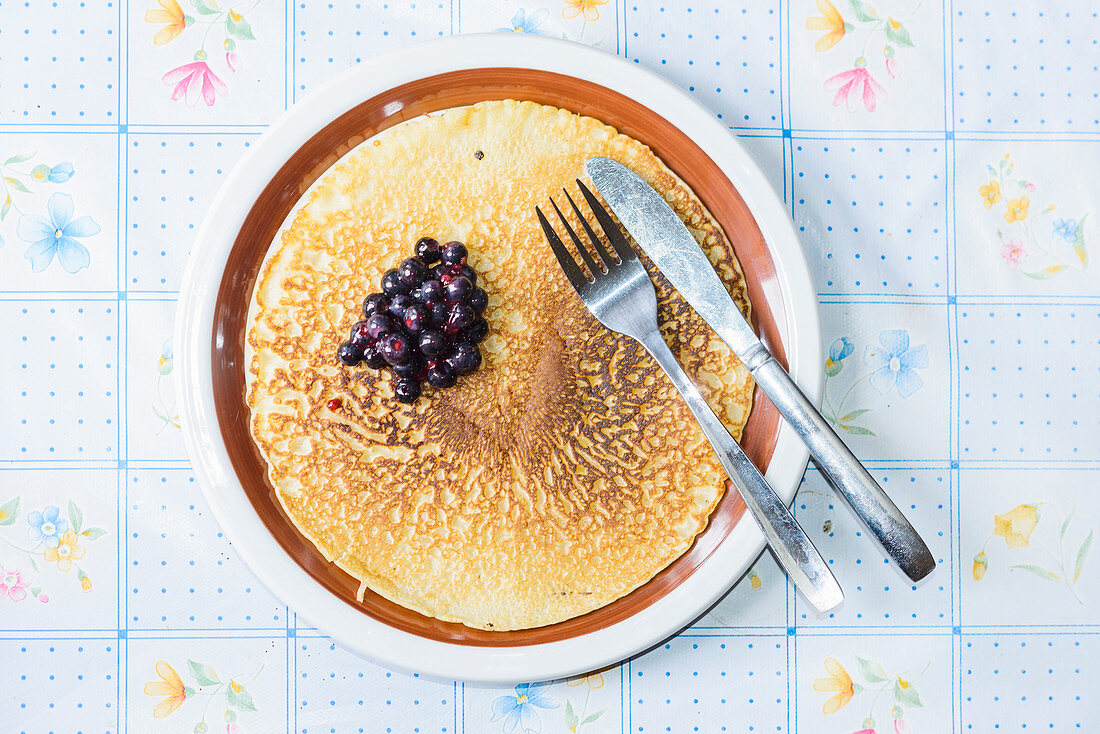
<point x="265" y="188"/>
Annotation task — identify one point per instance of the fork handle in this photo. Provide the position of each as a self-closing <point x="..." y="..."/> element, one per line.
<point x="788" y="541"/>
<point x="844" y="472"/>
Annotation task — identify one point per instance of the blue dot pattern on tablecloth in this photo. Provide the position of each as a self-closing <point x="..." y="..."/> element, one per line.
<point x="871" y="228"/>
<point x="60" y="63"/>
<point x="47" y="681"/>
<point x="1028" y="380"/>
<point x="161" y="220"/>
<point x="1046" y="83"/>
<point x="75" y="415"/>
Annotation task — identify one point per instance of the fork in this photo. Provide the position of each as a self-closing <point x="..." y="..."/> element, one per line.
<point x="621" y="297"/>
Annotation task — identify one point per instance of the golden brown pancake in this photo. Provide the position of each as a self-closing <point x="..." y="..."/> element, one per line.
<point x="564" y="473"/>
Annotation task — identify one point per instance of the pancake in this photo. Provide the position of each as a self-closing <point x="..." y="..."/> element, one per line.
<point x="565" y="472"/>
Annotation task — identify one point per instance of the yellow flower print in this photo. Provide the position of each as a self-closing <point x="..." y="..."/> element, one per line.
<point x="754" y="580"/>
<point x="980" y="566"/>
<point x="170" y="685"/>
<point x="67" y="551"/>
<point x="1015" y="526"/>
<point x="1017" y="209"/>
<point x="593" y="680"/>
<point x="991" y="193"/>
<point x="573" y="8"/>
<point x="831" y="21"/>
<point x="838" y="681"/>
<point x="171" y="13"/>
<point x="85" y="583"/>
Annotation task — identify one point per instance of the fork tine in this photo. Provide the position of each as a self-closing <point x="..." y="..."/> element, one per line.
<point x="593" y="266"/>
<point x="614" y="234"/>
<point x="565" y="259"/>
<point x="600" y="249"/>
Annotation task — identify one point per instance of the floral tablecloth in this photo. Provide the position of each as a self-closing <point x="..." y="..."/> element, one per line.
<point x="939" y="162"/>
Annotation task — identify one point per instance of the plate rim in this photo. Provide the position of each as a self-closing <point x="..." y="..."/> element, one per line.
<point x="214" y="472"/>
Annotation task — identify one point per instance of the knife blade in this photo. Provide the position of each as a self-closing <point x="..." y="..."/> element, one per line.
<point x="676" y="253"/>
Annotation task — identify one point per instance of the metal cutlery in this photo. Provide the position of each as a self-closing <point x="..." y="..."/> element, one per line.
<point x="675" y="252"/>
<point x="618" y="292"/>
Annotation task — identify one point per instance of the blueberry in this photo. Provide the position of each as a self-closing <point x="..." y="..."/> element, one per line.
<point x="406" y="390"/>
<point x="372" y="357"/>
<point x="375" y="303"/>
<point x="360" y="335"/>
<point x="432" y="343"/>
<point x="392" y="284"/>
<point x="431" y="290"/>
<point x="410" y="368"/>
<point x="417" y="317"/>
<point x="427" y="249"/>
<point x="395" y="349"/>
<point x="398" y="304"/>
<point x="459" y="289"/>
<point x="349" y="354"/>
<point x="478" y="330"/>
<point x="470" y="273"/>
<point x="439" y="312"/>
<point x="479" y="299"/>
<point x="379" y="325"/>
<point x="442" y="375"/>
<point x="412" y="272"/>
<point x="459" y="318"/>
<point x="464" y="358"/>
<point x="454" y="252"/>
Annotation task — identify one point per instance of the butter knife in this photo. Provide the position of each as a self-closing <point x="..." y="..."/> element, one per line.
<point x="676" y="253"/>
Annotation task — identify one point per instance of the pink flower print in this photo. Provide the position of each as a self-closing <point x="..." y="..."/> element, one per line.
<point x="1013" y="252"/>
<point x="12" y="585"/>
<point x="194" y="79"/>
<point x="1029" y="187"/>
<point x="233" y="61"/>
<point x="893" y="67"/>
<point x="232" y="729"/>
<point x="43" y="598"/>
<point x="853" y="85"/>
<point x="900" y="727"/>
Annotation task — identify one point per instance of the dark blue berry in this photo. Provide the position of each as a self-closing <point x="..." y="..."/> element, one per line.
<point x="454" y="252"/>
<point x="470" y="273"/>
<point x="439" y="313"/>
<point x="433" y="343"/>
<point x="372" y="357"/>
<point x="392" y="284"/>
<point x="360" y="334"/>
<point x="395" y="349"/>
<point x="464" y="358"/>
<point x="349" y="354"/>
<point x="442" y="375"/>
<point x="479" y="299"/>
<point x="375" y="303"/>
<point x="478" y="330"/>
<point x="427" y="249"/>
<point x="459" y="318"/>
<point x="413" y="271"/>
<point x="410" y="368"/>
<point x="406" y="390"/>
<point x="431" y="290"/>
<point x="417" y="317"/>
<point x="398" y="304"/>
<point x="459" y="289"/>
<point x="379" y="325"/>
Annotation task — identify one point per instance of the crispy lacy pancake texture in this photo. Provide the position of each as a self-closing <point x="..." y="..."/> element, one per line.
<point x="561" y="475"/>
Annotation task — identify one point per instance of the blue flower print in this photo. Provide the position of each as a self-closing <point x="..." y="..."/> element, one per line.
<point x="58" y="174"/>
<point x="519" y="710"/>
<point x="524" y="23"/>
<point x="894" y="363"/>
<point x="841" y="348"/>
<point x="56" y="236"/>
<point x="47" y="526"/>
<point x="1066" y="229"/>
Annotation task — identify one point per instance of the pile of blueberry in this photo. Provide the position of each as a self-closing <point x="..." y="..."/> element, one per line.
<point x="425" y="324"/>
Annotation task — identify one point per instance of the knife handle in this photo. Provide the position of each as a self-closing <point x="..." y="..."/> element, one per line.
<point x="845" y="473"/>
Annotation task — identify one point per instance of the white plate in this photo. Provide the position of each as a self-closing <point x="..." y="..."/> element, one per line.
<point x="275" y="568"/>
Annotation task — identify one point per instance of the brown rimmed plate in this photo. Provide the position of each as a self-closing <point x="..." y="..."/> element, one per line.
<point x="265" y="187"/>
